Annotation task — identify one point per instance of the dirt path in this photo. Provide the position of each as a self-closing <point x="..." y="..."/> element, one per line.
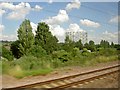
<point x="8" y="81"/>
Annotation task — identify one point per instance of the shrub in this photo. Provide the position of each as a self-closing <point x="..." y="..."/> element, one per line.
<point x="107" y="51"/>
<point x="75" y="52"/>
<point x="37" y="51"/>
<point x="33" y="63"/>
<point x="61" y="55"/>
<point x="7" y="54"/>
<point x="85" y="52"/>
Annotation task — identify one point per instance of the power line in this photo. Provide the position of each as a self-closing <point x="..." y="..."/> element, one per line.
<point x="98" y="10"/>
<point x="74" y="16"/>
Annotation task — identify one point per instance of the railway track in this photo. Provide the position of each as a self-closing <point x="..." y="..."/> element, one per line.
<point x="73" y="80"/>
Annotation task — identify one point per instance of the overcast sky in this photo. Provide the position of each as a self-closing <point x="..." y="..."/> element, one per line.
<point x="98" y="19"/>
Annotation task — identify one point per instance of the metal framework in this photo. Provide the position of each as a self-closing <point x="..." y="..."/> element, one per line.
<point x="75" y="36"/>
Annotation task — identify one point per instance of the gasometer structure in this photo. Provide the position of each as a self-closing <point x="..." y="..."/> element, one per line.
<point x="75" y="36"/>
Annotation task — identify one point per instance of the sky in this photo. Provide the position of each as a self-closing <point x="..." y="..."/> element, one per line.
<point x="98" y="19"/>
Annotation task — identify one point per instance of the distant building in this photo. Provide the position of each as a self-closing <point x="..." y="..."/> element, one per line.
<point x="75" y="36"/>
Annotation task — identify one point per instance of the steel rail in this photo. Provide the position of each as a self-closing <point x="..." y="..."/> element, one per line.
<point x="83" y="80"/>
<point x="59" y="79"/>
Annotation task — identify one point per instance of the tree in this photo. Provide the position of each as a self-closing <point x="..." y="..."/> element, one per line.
<point x="91" y="45"/>
<point x="104" y="44"/>
<point x="37" y="51"/>
<point x="45" y="39"/>
<point x="112" y="45"/>
<point x="79" y="45"/>
<point x="67" y="39"/>
<point x="68" y="45"/>
<point x="15" y="48"/>
<point x="62" y="55"/>
<point x="86" y="45"/>
<point x="25" y="37"/>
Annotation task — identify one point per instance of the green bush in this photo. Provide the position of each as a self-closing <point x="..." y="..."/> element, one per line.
<point x="75" y="52"/>
<point x="85" y="52"/>
<point x="61" y="55"/>
<point x="7" y="54"/>
<point x="107" y="51"/>
<point x="37" y="51"/>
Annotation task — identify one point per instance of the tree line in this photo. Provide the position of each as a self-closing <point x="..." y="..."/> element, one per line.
<point x="44" y="43"/>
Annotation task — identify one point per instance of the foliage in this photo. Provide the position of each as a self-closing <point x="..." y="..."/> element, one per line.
<point x="92" y="46"/>
<point x="17" y="70"/>
<point x="117" y="46"/>
<point x="68" y="45"/>
<point x="112" y="45"/>
<point x="7" y="54"/>
<point x="61" y="55"/>
<point x="107" y="51"/>
<point x="101" y="59"/>
<point x="79" y="44"/>
<point x="37" y="51"/>
<point x="75" y="52"/>
<point x="0" y="67"/>
<point x="45" y="53"/>
<point x="25" y="37"/>
<point x="45" y="39"/>
<point x="104" y="44"/>
<point x="85" y="52"/>
<point x="86" y="45"/>
<point x="15" y="49"/>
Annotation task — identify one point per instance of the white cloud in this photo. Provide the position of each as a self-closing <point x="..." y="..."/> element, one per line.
<point x="58" y="31"/>
<point x="110" y="36"/>
<point x="18" y="11"/>
<point x="75" y="28"/>
<point x="2" y="12"/>
<point x="89" y="23"/>
<point x="8" y="37"/>
<point x="94" y="38"/>
<point x="115" y="19"/>
<point x="76" y="31"/>
<point x="1" y="28"/>
<point x="34" y="27"/>
<point x="75" y="4"/>
<point x="60" y="18"/>
<point x="50" y="1"/>
<point x="5" y="5"/>
<point x="16" y="15"/>
<point x="38" y="8"/>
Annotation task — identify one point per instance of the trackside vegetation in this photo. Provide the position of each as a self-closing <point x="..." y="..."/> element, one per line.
<point x="41" y="54"/>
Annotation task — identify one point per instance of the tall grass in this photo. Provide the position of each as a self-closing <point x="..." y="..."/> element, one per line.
<point x="101" y="59"/>
<point x="0" y="67"/>
<point x="30" y="65"/>
<point x="27" y="65"/>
